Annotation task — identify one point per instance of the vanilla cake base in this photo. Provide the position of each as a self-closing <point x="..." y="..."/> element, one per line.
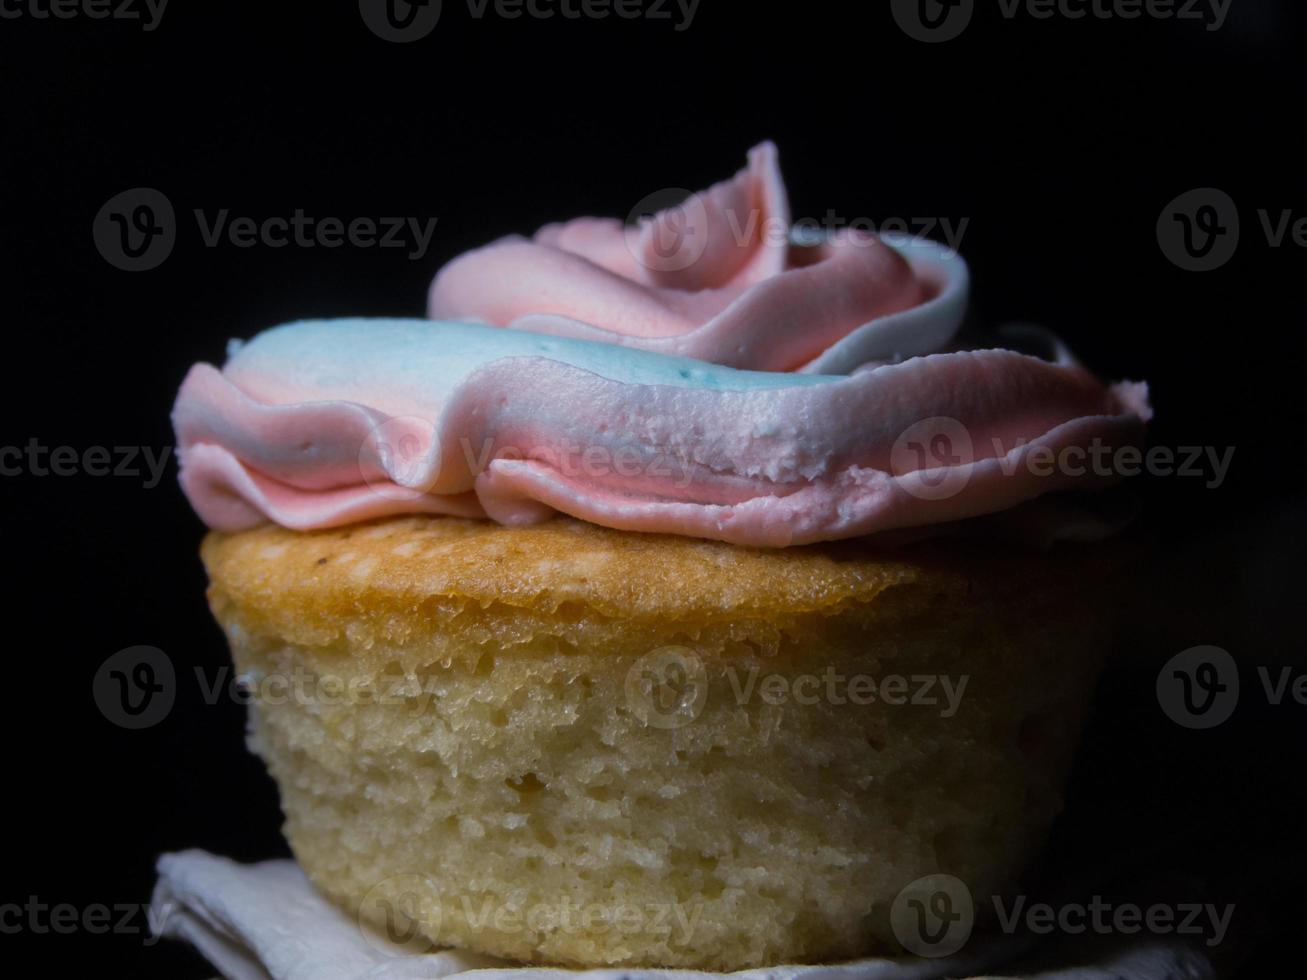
<point x="565" y="744"/>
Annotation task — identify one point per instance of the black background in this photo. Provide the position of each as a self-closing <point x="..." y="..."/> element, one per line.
<point x="1060" y="141"/>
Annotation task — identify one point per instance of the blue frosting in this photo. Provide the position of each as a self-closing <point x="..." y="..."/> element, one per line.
<point x="422" y="353"/>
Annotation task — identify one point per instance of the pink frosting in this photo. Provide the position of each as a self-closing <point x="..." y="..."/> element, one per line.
<point x="321" y="424"/>
<point x="718" y="278"/>
<point x="699" y="373"/>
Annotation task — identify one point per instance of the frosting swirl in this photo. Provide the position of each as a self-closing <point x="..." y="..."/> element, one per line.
<point x="693" y="374"/>
<point x="318" y="424"/>
<point x="719" y="278"/>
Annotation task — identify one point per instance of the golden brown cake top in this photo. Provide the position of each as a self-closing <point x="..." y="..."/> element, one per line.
<point x="541" y="567"/>
<point x="388" y="578"/>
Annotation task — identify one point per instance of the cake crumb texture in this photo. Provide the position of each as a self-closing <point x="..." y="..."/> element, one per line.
<point x="563" y="744"/>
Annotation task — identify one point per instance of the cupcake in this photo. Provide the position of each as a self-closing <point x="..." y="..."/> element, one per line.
<point x="658" y="608"/>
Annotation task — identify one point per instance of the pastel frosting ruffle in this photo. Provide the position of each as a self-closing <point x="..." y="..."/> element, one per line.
<point x="323" y="423"/>
<point x="718" y="277"/>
